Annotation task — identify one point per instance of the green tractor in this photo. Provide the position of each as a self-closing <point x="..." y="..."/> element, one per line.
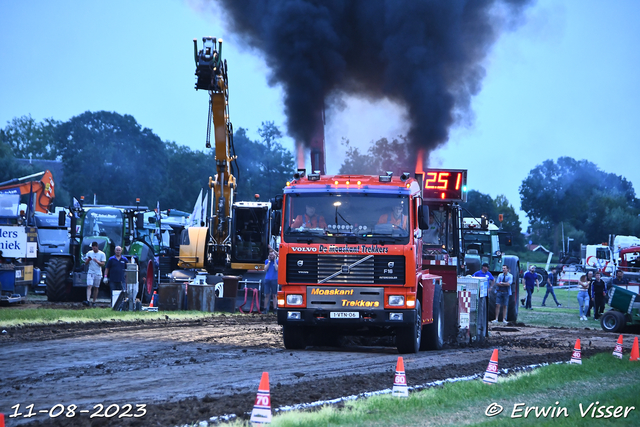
<point x="109" y="226"/>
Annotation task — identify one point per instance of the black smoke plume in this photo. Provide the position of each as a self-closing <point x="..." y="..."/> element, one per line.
<point x="425" y="55"/>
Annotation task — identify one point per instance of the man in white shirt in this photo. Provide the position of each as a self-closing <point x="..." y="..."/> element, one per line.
<point x="95" y="259"/>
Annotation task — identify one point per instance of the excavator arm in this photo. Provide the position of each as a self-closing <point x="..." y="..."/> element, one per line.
<point x="211" y="74"/>
<point x="44" y="189"/>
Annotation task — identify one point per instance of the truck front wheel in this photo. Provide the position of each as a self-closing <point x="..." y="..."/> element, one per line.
<point x="58" y="286"/>
<point x="293" y="337"/>
<point x="408" y="339"/>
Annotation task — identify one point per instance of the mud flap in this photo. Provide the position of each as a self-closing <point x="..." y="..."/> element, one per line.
<point x="122" y="303"/>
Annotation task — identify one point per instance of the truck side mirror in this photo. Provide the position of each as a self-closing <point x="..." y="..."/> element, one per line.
<point x="140" y="221"/>
<point x="276" y="218"/>
<point x="62" y="219"/>
<point x="423" y="217"/>
<point x="276" y="203"/>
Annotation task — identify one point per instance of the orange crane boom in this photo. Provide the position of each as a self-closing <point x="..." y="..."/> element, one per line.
<point x="44" y="189"/>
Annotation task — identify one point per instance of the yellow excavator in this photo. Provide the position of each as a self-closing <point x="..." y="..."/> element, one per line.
<point x="236" y="235"/>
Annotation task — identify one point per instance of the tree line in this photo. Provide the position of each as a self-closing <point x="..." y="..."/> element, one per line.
<point x="115" y="158"/>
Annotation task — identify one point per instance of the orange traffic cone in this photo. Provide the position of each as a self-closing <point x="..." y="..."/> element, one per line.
<point x="575" y="356"/>
<point x="634" y="351"/>
<point x="261" y="413"/>
<point x="617" y="352"/>
<point x="400" y="388"/>
<point x="153" y="297"/>
<point x="491" y="374"/>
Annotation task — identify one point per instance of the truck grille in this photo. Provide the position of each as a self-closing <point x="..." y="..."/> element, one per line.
<point x="378" y="270"/>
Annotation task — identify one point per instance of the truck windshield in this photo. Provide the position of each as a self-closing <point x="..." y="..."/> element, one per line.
<point x="9" y="205"/>
<point x="104" y="222"/>
<point x="330" y="217"/>
<point x="478" y="242"/>
<point x="53" y="236"/>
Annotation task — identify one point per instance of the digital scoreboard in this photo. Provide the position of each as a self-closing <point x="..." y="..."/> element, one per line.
<point x="445" y="184"/>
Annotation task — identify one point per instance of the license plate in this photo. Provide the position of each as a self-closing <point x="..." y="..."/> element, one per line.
<point x="344" y="315"/>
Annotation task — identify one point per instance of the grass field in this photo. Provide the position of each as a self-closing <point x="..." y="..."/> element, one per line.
<point x="17" y="316"/>
<point x="568" y="315"/>
<point x="589" y="393"/>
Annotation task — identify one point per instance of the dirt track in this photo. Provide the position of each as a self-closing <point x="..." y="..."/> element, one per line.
<point x="185" y="371"/>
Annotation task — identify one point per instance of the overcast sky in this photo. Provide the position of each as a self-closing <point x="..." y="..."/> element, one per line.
<point x="565" y="83"/>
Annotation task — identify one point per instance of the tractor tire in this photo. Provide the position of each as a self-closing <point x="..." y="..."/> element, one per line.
<point x="613" y="321"/>
<point x="409" y="338"/>
<point x="58" y="286"/>
<point x="513" y="262"/>
<point x="293" y="337"/>
<point x="148" y="284"/>
<point x="433" y="334"/>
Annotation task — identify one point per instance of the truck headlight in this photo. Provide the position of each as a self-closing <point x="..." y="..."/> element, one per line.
<point x="396" y="300"/>
<point x="294" y="299"/>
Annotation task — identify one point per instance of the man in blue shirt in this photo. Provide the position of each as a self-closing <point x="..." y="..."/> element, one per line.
<point x="552" y="280"/>
<point x="114" y="271"/>
<point x="505" y="279"/>
<point x="530" y="280"/>
<point x="484" y="272"/>
<point x="271" y="281"/>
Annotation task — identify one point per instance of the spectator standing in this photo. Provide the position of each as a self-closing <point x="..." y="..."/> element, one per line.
<point x="484" y="272"/>
<point x="583" y="296"/>
<point x="589" y="282"/>
<point x="530" y="281"/>
<point x="599" y="294"/>
<point x="505" y="279"/>
<point x="552" y="280"/>
<point x="620" y="280"/>
<point x="114" y="271"/>
<point x="271" y="281"/>
<point x="95" y="259"/>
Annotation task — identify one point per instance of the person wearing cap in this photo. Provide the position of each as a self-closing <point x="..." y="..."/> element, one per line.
<point x="484" y="272"/>
<point x="95" y="259"/>
<point x="552" y="280"/>
<point x="397" y="217"/>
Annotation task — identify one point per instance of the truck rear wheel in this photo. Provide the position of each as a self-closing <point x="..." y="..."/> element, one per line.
<point x="613" y="321"/>
<point x="433" y="334"/>
<point x="58" y="286"/>
<point x="293" y="337"/>
<point x="408" y="339"/>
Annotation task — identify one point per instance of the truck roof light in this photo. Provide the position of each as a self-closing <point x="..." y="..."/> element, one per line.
<point x="347" y="182"/>
<point x="384" y="178"/>
<point x="335" y="182"/>
<point x="314" y="177"/>
<point x="359" y="182"/>
<point x="405" y="176"/>
<point x="288" y="184"/>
